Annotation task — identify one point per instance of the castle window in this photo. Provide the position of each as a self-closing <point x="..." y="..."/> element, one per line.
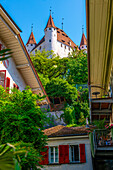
<point x="49" y="28"/>
<point x="82" y="46"/>
<point x="31" y="44"/>
<point x="40" y="48"/>
<point x="65" y="46"/>
<point x="50" y="40"/>
<point x="61" y="45"/>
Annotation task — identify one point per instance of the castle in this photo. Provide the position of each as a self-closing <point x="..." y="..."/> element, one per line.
<point x="55" y="39"/>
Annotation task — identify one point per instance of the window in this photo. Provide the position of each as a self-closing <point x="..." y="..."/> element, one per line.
<point x="69" y="48"/>
<point x="65" y="46"/>
<point x="40" y="48"/>
<point x="50" y="40"/>
<point x="49" y="28"/>
<point x="53" y="152"/>
<point x="61" y="45"/>
<point x="2" y="77"/>
<point x="31" y="44"/>
<point x="74" y="153"/>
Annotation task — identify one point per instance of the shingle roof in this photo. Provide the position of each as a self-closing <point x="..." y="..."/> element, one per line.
<point x="83" y="40"/>
<point x="31" y="39"/>
<point x="66" y="131"/>
<point x="50" y="23"/>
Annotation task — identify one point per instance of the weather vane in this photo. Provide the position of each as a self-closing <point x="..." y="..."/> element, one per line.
<point x="32" y="28"/>
<point x="50" y="10"/>
<point x="62" y="23"/>
<point x="82" y="29"/>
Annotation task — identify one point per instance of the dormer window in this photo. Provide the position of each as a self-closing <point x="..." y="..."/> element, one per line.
<point x="50" y="40"/>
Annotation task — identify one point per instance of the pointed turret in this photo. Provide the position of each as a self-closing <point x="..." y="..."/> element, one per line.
<point x="31" y="43"/>
<point x="31" y="39"/>
<point x="83" y="40"/>
<point x="50" y="23"/>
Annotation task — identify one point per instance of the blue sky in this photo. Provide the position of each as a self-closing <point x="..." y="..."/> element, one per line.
<point x="26" y="12"/>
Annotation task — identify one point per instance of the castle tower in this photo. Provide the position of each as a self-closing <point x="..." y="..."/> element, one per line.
<point x="31" y="43"/>
<point x="50" y="36"/>
<point x="83" y="43"/>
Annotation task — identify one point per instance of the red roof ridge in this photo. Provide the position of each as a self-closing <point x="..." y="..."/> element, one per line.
<point x="83" y="40"/>
<point x="50" y="22"/>
<point x="31" y="39"/>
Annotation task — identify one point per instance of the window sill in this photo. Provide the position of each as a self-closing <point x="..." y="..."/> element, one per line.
<point x="53" y="164"/>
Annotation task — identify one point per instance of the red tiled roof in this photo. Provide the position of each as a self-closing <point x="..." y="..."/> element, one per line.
<point x="66" y="131"/>
<point x="63" y="38"/>
<point x="31" y="39"/>
<point x="83" y="40"/>
<point x="50" y="23"/>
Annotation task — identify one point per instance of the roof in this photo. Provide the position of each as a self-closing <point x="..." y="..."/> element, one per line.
<point x="61" y="130"/>
<point x="12" y="39"/>
<point x="50" y="22"/>
<point x="83" y="40"/>
<point x="100" y="38"/>
<point x="31" y="39"/>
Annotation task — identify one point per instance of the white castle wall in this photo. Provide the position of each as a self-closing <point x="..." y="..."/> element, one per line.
<point x="29" y="47"/>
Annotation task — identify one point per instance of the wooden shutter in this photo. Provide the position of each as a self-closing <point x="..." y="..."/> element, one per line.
<point x="82" y="153"/>
<point x="7" y="83"/>
<point x="45" y="159"/>
<point x="63" y="154"/>
<point x="0" y="47"/>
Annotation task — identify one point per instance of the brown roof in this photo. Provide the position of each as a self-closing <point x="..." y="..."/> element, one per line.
<point x="83" y="40"/>
<point x="66" y="131"/>
<point x="63" y="38"/>
<point x="31" y="39"/>
<point x="50" y="23"/>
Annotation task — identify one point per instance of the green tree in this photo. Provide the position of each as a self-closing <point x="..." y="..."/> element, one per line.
<point x="50" y="67"/>
<point x="21" y="120"/>
<point x="77" y="68"/>
<point x="61" y="88"/>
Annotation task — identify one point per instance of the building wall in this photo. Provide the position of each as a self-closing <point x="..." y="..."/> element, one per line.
<point x="71" y="166"/>
<point x="29" y="47"/>
<point x="12" y="73"/>
<point x="61" y="51"/>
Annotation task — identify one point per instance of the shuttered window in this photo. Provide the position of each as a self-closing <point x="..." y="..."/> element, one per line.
<point x="74" y="153"/>
<point x="53" y="154"/>
<point x="7" y="83"/>
<point x="82" y="153"/>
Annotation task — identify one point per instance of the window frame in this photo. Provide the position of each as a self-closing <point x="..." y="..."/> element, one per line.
<point x="70" y="156"/>
<point x="53" y="154"/>
<point x="5" y="77"/>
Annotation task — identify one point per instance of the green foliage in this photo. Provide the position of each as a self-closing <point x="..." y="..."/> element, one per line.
<point x="83" y="95"/>
<point x="77" y="68"/>
<point x="22" y="120"/>
<point x="100" y="124"/>
<point x="69" y="115"/>
<point x="61" y="88"/>
<point x="50" y="67"/>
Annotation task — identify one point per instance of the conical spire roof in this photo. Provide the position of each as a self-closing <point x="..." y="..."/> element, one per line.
<point x="83" y="40"/>
<point x="50" y="23"/>
<point x="31" y="39"/>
